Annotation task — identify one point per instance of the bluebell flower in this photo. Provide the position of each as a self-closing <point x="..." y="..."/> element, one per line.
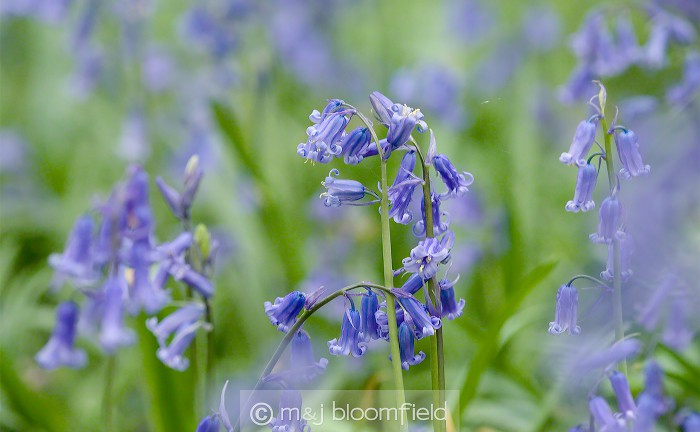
<point x="354" y="145"/>
<point x="583" y="194"/>
<point x="566" y="312"/>
<point x="654" y="389"/>
<point x="451" y="309"/>
<point x="372" y="150"/>
<point x="403" y="120"/>
<point x="171" y="196"/>
<point x="349" y="342"/>
<point x="645" y="418"/>
<point x="683" y="92"/>
<point x="628" y="150"/>
<point x="626" y="248"/>
<point x="614" y="354"/>
<point x="283" y="313"/>
<point x="184" y="273"/>
<point x="456" y="183"/>
<point x="60" y="349"/>
<point x="621" y="388"/>
<point x="383" y="320"/>
<point x="401" y="190"/>
<point x="290" y="418"/>
<point x="76" y="261"/>
<point x="603" y="416"/>
<point x="426" y="256"/>
<point x="109" y="236"/>
<point x="581" y="144"/>
<point x="369" y="329"/>
<point x="678" y="333"/>
<point x="181" y="318"/>
<point x="342" y="191"/>
<point x="441" y="219"/>
<point x="143" y="293"/>
<point x="137" y="223"/>
<point x="665" y="28"/>
<point x="425" y="324"/>
<point x="650" y="313"/>
<point x="609" y="221"/>
<point x="172" y="355"/>
<point x="627" y="50"/>
<point x="209" y="423"/>
<point x="413" y="284"/>
<point x="407" y="347"/>
<point x="382" y="107"/>
<point x="578" y="85"/>
<point x="333" y="106"/>
<point x="113" y="333"/>
<point x="303" y="366"/>
<point x="180" y="203"/>
<point x="323" y="139"/>
<point x="691" y="422"/>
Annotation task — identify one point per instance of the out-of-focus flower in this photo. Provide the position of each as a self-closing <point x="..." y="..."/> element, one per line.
<point x="683" y="92"/>
<point x="76" y="262"/>
<point x="303" y="366"/>
<point x="60" y="350"/>
<point x="181" y="318"/>
<point x="113" y="334"/>
<point x="621" y="388"/>
<point x="290" y="417"/>
<point x="603" y="416"/>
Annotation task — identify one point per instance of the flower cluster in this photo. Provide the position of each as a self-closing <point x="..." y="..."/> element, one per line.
<point x="109" y="261"/>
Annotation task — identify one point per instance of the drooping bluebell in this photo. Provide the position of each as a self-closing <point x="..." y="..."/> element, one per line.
<point x="424" y="323"/>
<point x="354" y="145"/>
<point x="621" y="388"/>
<point x="349" y="342"/>
<point x="603" y="416"/>
<point x="678" y="332"/>
<point x="401" y="190"/>
<point x="566" y="312"/>
<point x="581" y="144"/>
<point x="609" y="221"/>
<point x="343" y="191"/>
<point x="451" y="309"/>
<point x="76" y="262"/>
<point x="457" y="183"/>
<point x="303" y="366"/>
<point x="183" y="317"/>
<point x="407" y="347"/>
<point x="60" y="350"/>
<point x="628" y="151"/>
<point x="113" y="333"/>
<point x="583" y="193"/>
<point x="173" y="354"/>
<point x="369" y="329"/>
<point x="283" y="312"/>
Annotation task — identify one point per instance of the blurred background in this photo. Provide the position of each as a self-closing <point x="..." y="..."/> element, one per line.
<point x="88" y="87"/>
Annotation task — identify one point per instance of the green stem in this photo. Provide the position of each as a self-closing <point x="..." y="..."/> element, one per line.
<point x="617" y="277"/>
<point x="210" y="344"/>
<point x="388" y="275"/>
<point x="107" y="399"/>
<point x="293" y="331"/>
<point x="437" y="357"/>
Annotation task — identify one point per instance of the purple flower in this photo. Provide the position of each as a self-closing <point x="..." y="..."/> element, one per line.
<point x="369" y="329"/>
<point x="184" y="273"/>
<point x="566" y="312"/>
<point x="181" y="318"/>
<point x="677" y="333"/>
<point x="621" y="350"/>
<point x="324" y="138"/>
<point x="621" y="388"/>
<point x="456" y="183"/>
<point x="603" y="416"/>
<point x="626" y="248"/>
<point x="645" y="418"/>
<point x="209" y="423"/>
<point x="451" y="309"/>
<point x="406" y="348"/>
<point x="439" y="225"/>
<point x="382" y="107"/>
<point x="137" y="220"/>
<point x="401" y="190"/>
<point x="172" y="355"/>
<point x="76" y="261"/>
<point x="383" y="320"/>
<point x="424" y="323"/>
<point x="349" y="342"/>
<point x="583" y="193"/>
<point x="283" y="313"/>
<point x="425" y="257"/>
<point x="143" y="293"/>
<point x="355" y="144"/>
<point x="342" y="191"/>
<point x="665" y="28"/>
<point x="60" y="350"/>
<point x="609" y="221"/>
<point x="650" y="313"/>
<point x="414" y="283"/>
<point x="691" y="423"/>
<point x="628" y="150"/>
<point x="303" y="366"/>
<point x="180" y="203"/>
<point x="579" y="84"/>
<point x="290" y="418"/>
<point x="683" y="92"/>
<point x="113" y="334"/>
<point x="628" y="50"/>
<point x="403" y="120"/>
<point x="581" y="144"/>
<point x="654" y="390"/>
<point x="158" y="70"/>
